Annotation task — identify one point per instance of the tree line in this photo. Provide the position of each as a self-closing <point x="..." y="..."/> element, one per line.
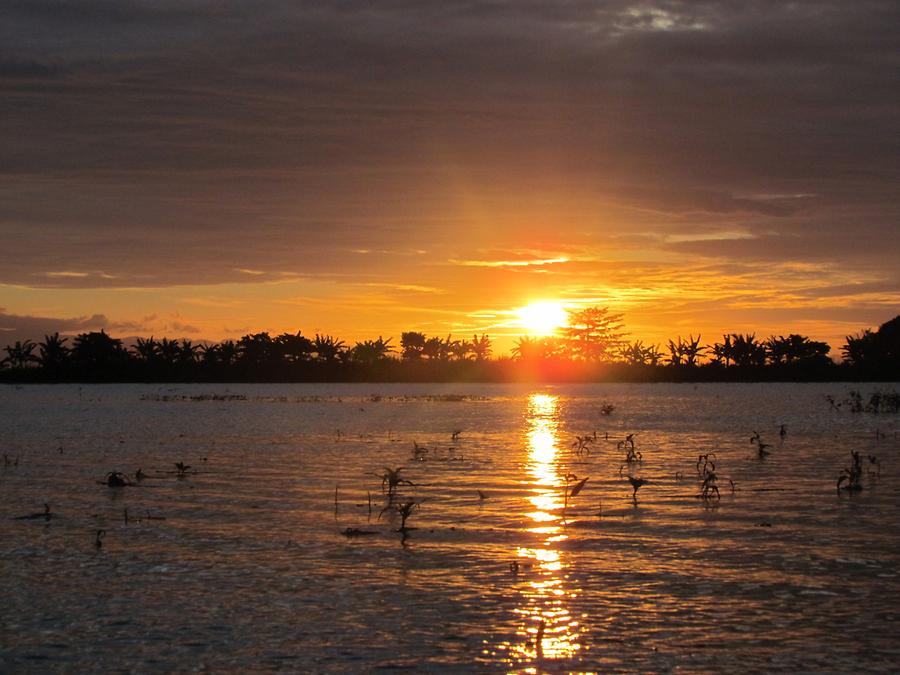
<point x="592" y="346"/>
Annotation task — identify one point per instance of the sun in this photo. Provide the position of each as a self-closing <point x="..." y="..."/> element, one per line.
<point x="542" y="318"/>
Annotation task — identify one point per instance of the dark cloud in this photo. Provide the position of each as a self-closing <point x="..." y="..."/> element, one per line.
<point x="157" y="143"/>
<point x="21" y="327"/>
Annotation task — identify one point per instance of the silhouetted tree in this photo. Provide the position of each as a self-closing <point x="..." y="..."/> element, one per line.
<point x="147" y="350"/>
<point x="412" y="345"/>
<point x="294" y="348"/>
<point x="537" y="349"/>
<point x="328" y="349"/>
<point x="187" y="353"/>
<point x="256" y="349"/>
<point x="481" y="347"/>
<point x="685" y="352"/>
<point x="54" y="354"/>
<point x="369" y="352"/>
<point x="98" y="354"/>
<point x="593" y="334"/>
<point x="794" y="348"/>
<point x="722" y="352"/>
<point x="636" y="354"/>
<point x="875" y="351"/>
<point x="20" y="354"/>
<point x="747" y="351"/>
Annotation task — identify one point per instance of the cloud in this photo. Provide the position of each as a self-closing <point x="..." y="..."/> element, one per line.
<point x="23" y="327"/>
<point x="166" y="144"/>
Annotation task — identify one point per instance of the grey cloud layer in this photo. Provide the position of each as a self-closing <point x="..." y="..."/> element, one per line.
<point x="171" y="142"/>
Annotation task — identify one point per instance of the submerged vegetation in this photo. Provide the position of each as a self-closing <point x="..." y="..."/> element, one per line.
<point x="592" y="347"/>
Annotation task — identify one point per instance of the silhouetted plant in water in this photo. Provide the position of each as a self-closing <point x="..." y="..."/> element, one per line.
<point x="391" y="480"/>
<point x="419" y="452"/>
<point x="571" y="493"/>
<point x="706" y="464"/>
<point x="761" y="451"/>
<point x="182" y="468"/>
<point x="851" y="476"/>
<point x="117" y="479"/>
<point x="581" y="443"/>
<point x="874" y="461"/>
<point x="708" y="487"/>
<point x="45" y="515"/>
<point x="404" y="510"/>
<point x="636" y="484"/>
<point x="606" y="409"/>
<point x="631" y="455"/>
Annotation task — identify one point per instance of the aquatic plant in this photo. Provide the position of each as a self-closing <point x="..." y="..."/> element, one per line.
<point x="708" y="487"/>
<point x="391" y="480"/>
<point x="571" y="493"/>
<point x="874" y="461"/>
<point x="45" y="514"/>
<point x="419" y="452"/>
<point x="581" y="443"/>
<point x="636" y="484"/>
<point x="182" y="468"/>
<point x="761" y="451"/>
<point x="706" y="464"/>
<point x="851" y="475"/>
<point x="631" y="454"/>
<point x="356" y="532"/>
<point x="606" y="409"/>
<point x="116" y="479"/>
<point x="404" y="510"/>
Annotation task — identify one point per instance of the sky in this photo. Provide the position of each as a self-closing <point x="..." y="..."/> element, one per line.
<point x="207" y="169"/>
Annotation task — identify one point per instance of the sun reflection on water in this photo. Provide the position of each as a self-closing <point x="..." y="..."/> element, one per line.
<point x="548" y="630"/>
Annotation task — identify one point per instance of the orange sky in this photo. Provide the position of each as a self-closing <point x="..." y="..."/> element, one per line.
<point x="212" y="169"/>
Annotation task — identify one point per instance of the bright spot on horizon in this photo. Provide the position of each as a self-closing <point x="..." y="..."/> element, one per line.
<point x="542" y="318"/>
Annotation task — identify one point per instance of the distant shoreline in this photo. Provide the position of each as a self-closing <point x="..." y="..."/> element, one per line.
<point x="488" y="372"/>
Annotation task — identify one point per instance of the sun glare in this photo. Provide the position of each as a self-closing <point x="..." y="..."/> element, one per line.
<point x="542" y="318"/>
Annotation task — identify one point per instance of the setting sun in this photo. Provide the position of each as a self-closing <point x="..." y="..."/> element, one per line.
<point x="542" y="318"/>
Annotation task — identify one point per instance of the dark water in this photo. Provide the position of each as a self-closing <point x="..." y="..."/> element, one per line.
<point x="243" y="565"/>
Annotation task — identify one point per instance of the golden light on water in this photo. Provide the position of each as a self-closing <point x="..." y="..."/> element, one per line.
<point x="548" y="631"/>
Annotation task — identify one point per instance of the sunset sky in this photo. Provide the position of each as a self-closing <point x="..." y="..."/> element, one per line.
<point x="206" y="169"/>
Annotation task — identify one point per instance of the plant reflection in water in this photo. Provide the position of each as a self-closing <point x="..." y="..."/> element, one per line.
<point x="548" y="631"/>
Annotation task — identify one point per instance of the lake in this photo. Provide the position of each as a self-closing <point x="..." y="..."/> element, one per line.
<point x="241" y="563"/>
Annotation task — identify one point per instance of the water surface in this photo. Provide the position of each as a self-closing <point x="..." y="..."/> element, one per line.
<point x="242" y="564"/>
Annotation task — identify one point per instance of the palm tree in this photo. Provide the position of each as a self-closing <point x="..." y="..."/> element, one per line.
<point x="795" y="348"/>
<point x="369" y="352"/>
<point x="723" y="352"/>
<point x="636" y="354"/>
<point x="54" y="353"/>
<point x="412" y="344"/>
<point x="20" y="354"/>
<point x="256" y="349"/>
<point x="460" y="350"/>
<point x="294" y="348"/>
<point x="480" y="347"/>
<point x="146" y="349"/>
<point x="187" y="353"/>
<point x="328" y="349"/>
<point x="685" y="352"/>
<point x="168" y="351"/>
<point x="747" y="351"/>
<point x="533" y="348"/>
